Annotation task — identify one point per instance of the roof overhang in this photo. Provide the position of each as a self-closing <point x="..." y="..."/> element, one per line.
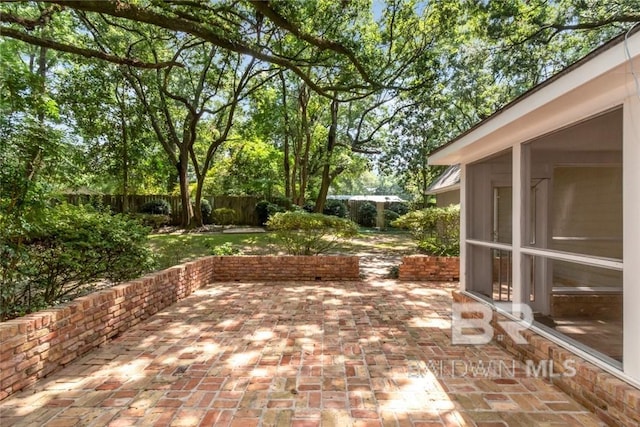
<point x="449" y="180"/>
<point x="598" y="82"/>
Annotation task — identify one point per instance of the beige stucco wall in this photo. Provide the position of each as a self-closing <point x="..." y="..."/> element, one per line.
<point x="448" y="198"/>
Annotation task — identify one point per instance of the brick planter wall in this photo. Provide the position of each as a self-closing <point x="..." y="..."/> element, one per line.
<point x="36" y="345"/>
<point x="270" y="268"/>
<point x="614" y="401"/>
<point x="596" y="306"/>
<point x="430" y="268"/>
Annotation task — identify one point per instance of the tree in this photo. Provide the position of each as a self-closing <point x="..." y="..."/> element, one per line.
<point x="459" y="61"/>
<point x="121" y="154"/>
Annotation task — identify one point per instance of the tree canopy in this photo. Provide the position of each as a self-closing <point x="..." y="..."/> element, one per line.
<point x="275" y="97"/>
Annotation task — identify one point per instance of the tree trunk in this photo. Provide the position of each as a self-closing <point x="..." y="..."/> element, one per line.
<point x="326" y="170"/>
<point x="187" y="211"/>
<point x="294" y="173"/>
<point x="198" y="220"/>
<point x="303" y="100"/>
<point x="125" y="162"/>
<point x="285" y="115"/>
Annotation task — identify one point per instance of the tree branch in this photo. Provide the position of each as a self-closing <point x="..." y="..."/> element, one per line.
<point x="264" y="7"/>
<point x="560" y="27"/>
<point x="174" y="23"/>
<point x="87" y="53"/>
<point x="30" y="24"/>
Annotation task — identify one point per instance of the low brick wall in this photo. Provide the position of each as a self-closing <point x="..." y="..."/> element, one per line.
<point x="36" y="345"/>
<point x="593" y="306"/>
<point x="270" y="268"/>
<point x="430" y="268"/>
<point x="614" y="401"/>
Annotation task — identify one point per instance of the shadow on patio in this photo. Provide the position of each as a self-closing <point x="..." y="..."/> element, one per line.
<point x="303" y="354"/>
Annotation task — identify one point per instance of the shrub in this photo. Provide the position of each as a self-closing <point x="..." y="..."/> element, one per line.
<point x="225" y="216"/>
<point x="72" y="247"/>
<point x="302" y="233"/>
<point x="156" y="207"/>
<point x="309" y="207"/>
<point x="399" y="207"/>
<point x="389" y="217"/>
<point x="266" y="209"/>
<point x="367" y="214"/>
<point x="282" y="201"/>
<point x="152" y="220"/>
<point x="394" y="272"/>
<point x="205" y="210"/>
<point x="335" y="208"/>
<point x="436" y="230"/>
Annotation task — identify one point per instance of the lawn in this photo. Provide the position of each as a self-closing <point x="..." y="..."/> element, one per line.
<point x="172" y="249"/>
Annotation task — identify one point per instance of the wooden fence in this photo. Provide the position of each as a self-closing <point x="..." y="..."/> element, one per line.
<point x="245" y="206"/>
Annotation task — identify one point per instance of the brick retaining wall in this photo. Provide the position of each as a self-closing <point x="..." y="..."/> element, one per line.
<point x="614" y="401"/>
<point x="261" y="268"/>
<point x="593" y="306"/>
<point x="33" y="346"/>
<point x="429" y="268"/>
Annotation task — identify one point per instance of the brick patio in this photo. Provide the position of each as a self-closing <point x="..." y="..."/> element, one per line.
<point x="374" y="353"/>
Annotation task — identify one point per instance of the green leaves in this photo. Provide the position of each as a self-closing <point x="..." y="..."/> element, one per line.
<point x="302" y="233"/>
<point x="72" y="247"/>
<point x="436" y="230"/>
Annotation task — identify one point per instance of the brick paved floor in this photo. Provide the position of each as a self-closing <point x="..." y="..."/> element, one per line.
<point x="375" y="353"/>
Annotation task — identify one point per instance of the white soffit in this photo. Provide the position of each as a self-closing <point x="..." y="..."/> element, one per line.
<point x="597" y="85"/>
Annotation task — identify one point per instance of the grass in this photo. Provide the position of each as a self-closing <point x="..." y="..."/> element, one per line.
<point x="172" y="249"/>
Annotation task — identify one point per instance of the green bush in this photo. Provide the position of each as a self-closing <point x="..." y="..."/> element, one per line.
<point x="400" y="208"/>
<point x="205" y="210"/>
<point x="156" y="207"/>
<point x="309" y="207"/>
<point x="266" y="209"/>
<point x="436" y="230"/>
<point x="282" y="201"/>
<point x="225" y="216"/>
<point x="152" y="220"/>
<point x="335" y="208"/>
<point x="367" y="214"/>
<point x="70" y="248"/>
<point x="389" y="217"/>
<point x="302" y="233"/>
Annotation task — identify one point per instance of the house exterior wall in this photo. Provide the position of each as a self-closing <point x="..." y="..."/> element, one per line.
<point x="631" y="226"/>
<point x="604" y="83"/>
<point x="448" y="198"/>
<point x="577" y="243"/>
